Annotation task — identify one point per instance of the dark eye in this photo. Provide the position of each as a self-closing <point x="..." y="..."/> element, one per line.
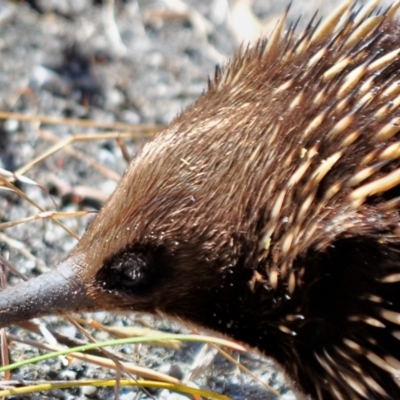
<point x="128" y="270"/>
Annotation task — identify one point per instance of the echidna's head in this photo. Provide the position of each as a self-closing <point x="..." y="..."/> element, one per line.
<point x="196" y="256"/>
<point x="268" y="211"/>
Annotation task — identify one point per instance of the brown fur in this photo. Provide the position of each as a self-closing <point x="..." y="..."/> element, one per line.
<point x="196" y="203"/>
<point x="243" y="218"/>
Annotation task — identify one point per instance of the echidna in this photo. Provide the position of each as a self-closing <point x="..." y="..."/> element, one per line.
<point x="269" y="211"/>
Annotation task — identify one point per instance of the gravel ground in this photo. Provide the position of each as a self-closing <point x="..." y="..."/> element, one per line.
<point x="132" y="62"/>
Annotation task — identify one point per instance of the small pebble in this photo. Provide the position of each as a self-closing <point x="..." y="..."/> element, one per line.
<point x="10" y="125"/>
<point x="175" y="371"/>
<point x="88" y="390"/>
<point x="128" y="396"/>
<point x="167" y="395"/>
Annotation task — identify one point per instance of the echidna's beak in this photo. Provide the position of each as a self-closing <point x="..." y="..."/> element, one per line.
<point x="55" y="292"/>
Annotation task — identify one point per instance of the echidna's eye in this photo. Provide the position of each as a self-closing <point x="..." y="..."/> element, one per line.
<point x="128" y="270"/>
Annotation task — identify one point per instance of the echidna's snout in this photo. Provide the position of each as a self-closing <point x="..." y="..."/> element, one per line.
<point x="54" y="292"/>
